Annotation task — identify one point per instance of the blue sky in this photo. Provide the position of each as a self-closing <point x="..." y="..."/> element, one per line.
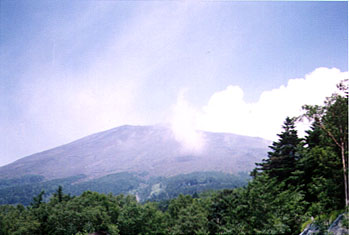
<point x="72" y="68"/>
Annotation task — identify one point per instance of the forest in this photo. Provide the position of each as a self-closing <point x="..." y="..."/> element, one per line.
<point x="303" y="180"/>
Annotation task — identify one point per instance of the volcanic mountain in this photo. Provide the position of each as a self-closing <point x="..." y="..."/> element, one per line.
<point x="152" y="150"/>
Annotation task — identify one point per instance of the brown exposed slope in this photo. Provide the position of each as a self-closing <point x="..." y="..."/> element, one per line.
<point x="151" y="149"/>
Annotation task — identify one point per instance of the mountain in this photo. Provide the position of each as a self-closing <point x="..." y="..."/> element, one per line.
<point x="153" y="150"/>
<point x="144" y="160"/>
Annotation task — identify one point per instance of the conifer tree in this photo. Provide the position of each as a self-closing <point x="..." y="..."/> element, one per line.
<point x="281" y="160"/>
<point x="60" y="193"/>
<point x="38" y="200"/>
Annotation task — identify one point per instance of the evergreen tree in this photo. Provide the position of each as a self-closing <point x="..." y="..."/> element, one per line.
<point x="38" y="200"/>
<point x="60" y="193"/>
<point x="282" y="159"/>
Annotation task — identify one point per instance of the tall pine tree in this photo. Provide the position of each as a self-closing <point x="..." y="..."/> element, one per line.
<point x="282" y="159"/>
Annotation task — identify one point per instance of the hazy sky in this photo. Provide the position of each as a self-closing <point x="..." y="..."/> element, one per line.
<point x="73" y="68"/>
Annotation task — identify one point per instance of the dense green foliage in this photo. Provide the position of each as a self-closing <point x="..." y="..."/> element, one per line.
<point x="28" y="179"/>
<point x="300" y="179"/>
<point x="191" y="184"/>
<point x="22" y="190"/>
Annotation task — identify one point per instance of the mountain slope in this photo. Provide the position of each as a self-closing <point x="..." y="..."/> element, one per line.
<point x="152" y="150"/>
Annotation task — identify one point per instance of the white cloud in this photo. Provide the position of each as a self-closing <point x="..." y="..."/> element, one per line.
<point x="227" y="111"/>
<point x="184" y="127"/>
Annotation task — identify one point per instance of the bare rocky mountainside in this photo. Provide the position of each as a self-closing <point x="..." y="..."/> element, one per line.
<point x="153" y="150"/>
<point x="151" y="162"/>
